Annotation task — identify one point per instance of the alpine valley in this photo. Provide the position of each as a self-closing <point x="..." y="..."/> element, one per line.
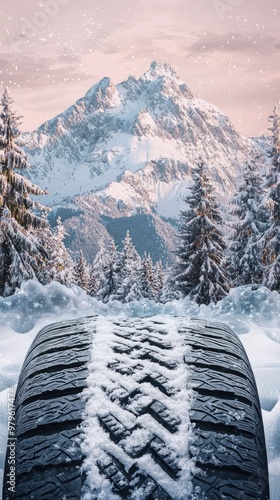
<point x="121" y="158"/>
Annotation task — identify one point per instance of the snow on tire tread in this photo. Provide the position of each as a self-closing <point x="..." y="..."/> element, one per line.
<point x="137" y="428"/>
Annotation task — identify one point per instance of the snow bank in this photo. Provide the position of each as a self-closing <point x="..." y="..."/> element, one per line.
<point x="252" y="314"/>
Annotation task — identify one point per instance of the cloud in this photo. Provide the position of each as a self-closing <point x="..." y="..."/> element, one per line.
<point x="210" y="43"/>
<point x="38" y="72"/>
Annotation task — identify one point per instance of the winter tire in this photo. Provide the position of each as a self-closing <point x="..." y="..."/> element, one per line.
<point x="143" y="383"/>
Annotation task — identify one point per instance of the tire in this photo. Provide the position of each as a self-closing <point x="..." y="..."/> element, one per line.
<point x="152" y="365"/>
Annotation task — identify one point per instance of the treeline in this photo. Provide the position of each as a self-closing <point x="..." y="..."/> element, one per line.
<point x="120" y="275"/>
<point x="215" y="251"/>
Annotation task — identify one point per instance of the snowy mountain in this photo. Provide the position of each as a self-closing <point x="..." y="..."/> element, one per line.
<point x="129" y="149"/>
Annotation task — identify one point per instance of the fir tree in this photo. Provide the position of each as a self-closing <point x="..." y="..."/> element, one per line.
<point x="59" y="266"/>
<point x="111" y="273"/>
<point x="103" y="281"/>
<point x="271" y="238"/>
<point x="170" y="290"/>
<point x="92" y="286"/>
<point x="245" y="250"/>
<point x="274" y="119"/>
<point x="44" y="238"/>
<point x="200" y="255"/>
<point x="97" y="271"/>
<point x="21" y="255"/>
<point x="82" y="273"/>
<point x="160" y="275"/>
<point x="148" y="285"/>
<point x="129" y="264"/>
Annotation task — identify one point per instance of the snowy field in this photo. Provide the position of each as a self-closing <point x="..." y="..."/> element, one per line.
<point x="253" y="314"/>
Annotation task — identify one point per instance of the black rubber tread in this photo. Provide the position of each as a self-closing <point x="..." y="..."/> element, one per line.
<point x="78" y="356"/>
<point x="61" y="447"/>
<point x="80" y="338"/>
<point x="210" y="359"/>
<point x="230" y="444"/>
<point x="39" y="386"/>
<point x="228" y="441"/>
<point x="214" y="343"/>
<point x="49" y="409"/>
<point x="51" y="482"/>
<point x="227" y="449"/>
<point x="36" y="417"/>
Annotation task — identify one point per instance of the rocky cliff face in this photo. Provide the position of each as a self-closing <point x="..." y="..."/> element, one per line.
<point x="128" y="149"/>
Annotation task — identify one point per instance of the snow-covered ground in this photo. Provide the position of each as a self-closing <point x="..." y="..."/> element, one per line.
<point x="252" y="314"/>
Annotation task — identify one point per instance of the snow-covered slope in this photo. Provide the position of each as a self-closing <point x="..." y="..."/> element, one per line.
<point x="134" y="145"/>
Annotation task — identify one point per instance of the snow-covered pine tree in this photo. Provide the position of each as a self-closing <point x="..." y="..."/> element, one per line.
<point x="129" y="264"/>
<point x="111" y="272"/>
<point x="274" y="119"/>
<point x="148" y="283"/>
<point x="249" y="226"/>
<point x="271" y="238"/>
<point x="199" y="270"/>
<point x="81" y="273"/>
<point x="21" y="255"/>
<point x="97" y="272"/>
<point x="103" y="276"/>
<point x="160" y="276"/>
<point x="44" y="238"/>
<point x="170" y="290"/>
<point x="60" y="266"/>
<point x="92" y="285"/>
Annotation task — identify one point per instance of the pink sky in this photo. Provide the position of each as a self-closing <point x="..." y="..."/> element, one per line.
<point x="227" y="51"/>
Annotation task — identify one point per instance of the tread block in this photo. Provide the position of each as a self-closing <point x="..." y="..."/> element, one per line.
<point x="44" y="485"/>
<point x="121" y="348"/>
<point x="199" y="341"/>
<point x="163" y="415"/>
<point x="158" y="380"/>
<point x="48" y="413"/>
<point x="111" y="470"/>
<point x="228" y="413"/>
<point x="118" y="393"/>
<point x="59" y="343"/>
<point x="165" y="456"/>
<point x="211" y="487"/>
<point x="214" y="328"/>
<point x="205" y="379"/>
<point x="50" y="361"/>
<point x="226" y="450"/>
<point x="131" y="484"/>
<point x="59" y="330"/>
<point x="39" y="451"/>
<point x="115" y="428"/>
<point x="158" y="358"/>
<point x="60" y="381"/>
<point x="226" y="363"/>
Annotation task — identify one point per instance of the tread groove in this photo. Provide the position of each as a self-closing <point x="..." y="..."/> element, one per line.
<point x="52" y="394"/>
<point x="45" y="430"/>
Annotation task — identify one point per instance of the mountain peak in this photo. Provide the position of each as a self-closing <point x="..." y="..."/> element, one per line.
<point x="102" y="85"/>
<point x="158" y="70"/>
<point x="103" y="93"/>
